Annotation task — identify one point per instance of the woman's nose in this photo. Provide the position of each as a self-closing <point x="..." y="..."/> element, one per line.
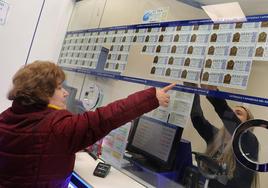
<point x="66" y="93"/>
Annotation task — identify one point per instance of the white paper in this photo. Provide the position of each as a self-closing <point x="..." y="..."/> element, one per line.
<point x="212" y="78"/>
<point x="114" y="145"/>
<point x="178" y="111"/>
<point x="215" y="63"/>
<point x="178" y="119"/>
<point x="175" y="73"/>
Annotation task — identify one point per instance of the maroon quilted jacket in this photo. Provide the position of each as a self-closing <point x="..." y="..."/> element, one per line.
<point x="38" y="144"/>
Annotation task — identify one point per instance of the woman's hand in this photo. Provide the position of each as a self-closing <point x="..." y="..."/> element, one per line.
<point x="162" y="96"/>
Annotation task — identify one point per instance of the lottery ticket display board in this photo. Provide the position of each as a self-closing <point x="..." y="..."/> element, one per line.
<point x="196" y="51"/>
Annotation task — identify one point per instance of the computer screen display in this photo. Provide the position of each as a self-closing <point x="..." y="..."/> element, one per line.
<point x="157" y="141"/>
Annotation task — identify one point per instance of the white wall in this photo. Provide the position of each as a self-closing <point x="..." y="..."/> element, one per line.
<point x="16" y="36"/>
<point x="51" y="30"/>
<point x="15" y="39"/>
<point x="87" y="14"/>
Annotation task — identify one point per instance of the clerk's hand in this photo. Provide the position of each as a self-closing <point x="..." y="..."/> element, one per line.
<point x="162" y="96"/>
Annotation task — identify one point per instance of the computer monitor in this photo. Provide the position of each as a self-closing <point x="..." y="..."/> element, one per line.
<point x="70" y="102"/>
<point x="156" y="141"/>
<point x="73" y="105"/>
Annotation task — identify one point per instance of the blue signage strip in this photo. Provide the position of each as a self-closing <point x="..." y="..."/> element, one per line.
<point x="255" y="18"/>
<point x="219" y="94"/>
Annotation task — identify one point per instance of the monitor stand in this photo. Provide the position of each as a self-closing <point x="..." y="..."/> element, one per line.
<point x="149" y="172"/>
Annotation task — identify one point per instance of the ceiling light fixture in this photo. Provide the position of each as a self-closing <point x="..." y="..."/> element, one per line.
<point x="226" y="12"/>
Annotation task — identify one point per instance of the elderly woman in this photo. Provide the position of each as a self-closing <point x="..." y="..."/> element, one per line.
<point x="39" y="137"/>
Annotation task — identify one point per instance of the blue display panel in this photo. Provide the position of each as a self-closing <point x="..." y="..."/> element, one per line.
<point x="77" y="182"/>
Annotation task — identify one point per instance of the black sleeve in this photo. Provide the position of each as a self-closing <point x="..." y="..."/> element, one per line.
<point x="228" y="117"/>
<point x="203" y="126"/>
